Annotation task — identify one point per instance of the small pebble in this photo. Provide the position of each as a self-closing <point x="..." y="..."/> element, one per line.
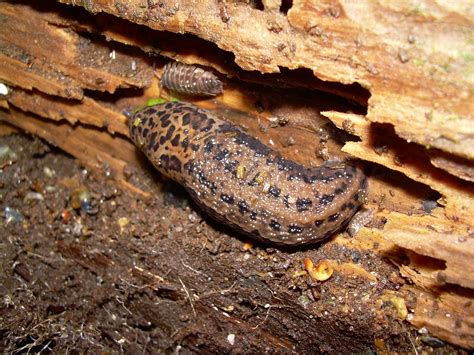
<point x="33" y="196"/>
<point x="356" y="256"/>
<point x="288" y="142"/>
<point x="323" y="152"/>
<point x="77" y="229"/>
<point x="403" y="55"/>
<point x="304" y="301"/>
<point x="80" y="198"/>
<point x="48" y="172"/>
<point x="123" y="222"/>
<point x="429" y="205"/>
<point x="348" y="126"/>
<point x="273" y="121"/>
<point x="12" y="215"/>
<point x="423" y="330"/>
<point x="7" y="156"/>
<point x="50" y="188"/>
<point x="4" y="90"/>
<point x="231" y="339"/>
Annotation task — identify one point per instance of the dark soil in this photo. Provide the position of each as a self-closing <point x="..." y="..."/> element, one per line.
<point x="87" y="267"/>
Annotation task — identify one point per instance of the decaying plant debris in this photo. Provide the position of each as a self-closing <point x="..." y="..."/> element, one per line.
<point x="388" y="84"/>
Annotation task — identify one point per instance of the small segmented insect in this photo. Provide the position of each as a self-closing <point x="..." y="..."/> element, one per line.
<point x="243" y="183"/>
<point x="360" y="219"/>
<point x="190" y="80"/>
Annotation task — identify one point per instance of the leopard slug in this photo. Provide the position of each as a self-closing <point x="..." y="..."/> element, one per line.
<point x="243" y="183"/>
<point x="190" y="80"/>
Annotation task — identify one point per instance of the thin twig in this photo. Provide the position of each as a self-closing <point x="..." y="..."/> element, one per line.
<point x="189" y="296"/>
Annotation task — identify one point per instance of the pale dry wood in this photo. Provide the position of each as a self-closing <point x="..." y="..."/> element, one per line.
<point x="411" y="160"/>
<point x="442" y="307"/>
<point x="436" y="237"/>
<point x="458" y="195"/>
<point x="448" y="322"/>
<point x="460" y="167"/>
<point x="4" y="104"/>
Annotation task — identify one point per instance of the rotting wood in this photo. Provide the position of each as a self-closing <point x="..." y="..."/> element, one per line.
<point x="439" y="239"/>
<point x="6" y="129"/>
<point x="337" y="43"/>
<point x="456" y="166"/>
<point x="386" y="149"/>
<point x="22" y="75"/>
<point x="75" y="62"/>
<point x="86" y="111"/>
<point x="442" y="309"/>
<point x="391" y="49"/>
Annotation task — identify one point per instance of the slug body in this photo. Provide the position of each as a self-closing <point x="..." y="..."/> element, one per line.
<point x="242" y="182"/>
<point x="190" y="80"/>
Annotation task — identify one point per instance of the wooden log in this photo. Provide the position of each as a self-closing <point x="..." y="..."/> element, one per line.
<point x="58" y="68"/>
<point x="391" y="49"/>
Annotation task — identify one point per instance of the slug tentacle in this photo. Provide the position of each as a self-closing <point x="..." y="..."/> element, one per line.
<point x="242" y="182"/>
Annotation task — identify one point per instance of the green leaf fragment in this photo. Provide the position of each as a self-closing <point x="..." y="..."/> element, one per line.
<point x="155" y="101"/>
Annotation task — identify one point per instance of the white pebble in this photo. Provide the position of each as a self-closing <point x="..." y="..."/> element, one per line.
<point x="4" y="89"/>
<point x="231" y="339"/>
<point x="423" y="330"/>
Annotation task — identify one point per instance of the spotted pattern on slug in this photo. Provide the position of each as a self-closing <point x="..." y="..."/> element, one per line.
<point x="242" y="182"/>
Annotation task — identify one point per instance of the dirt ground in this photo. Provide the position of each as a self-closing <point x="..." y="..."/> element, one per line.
<point x="87" y="267"/>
